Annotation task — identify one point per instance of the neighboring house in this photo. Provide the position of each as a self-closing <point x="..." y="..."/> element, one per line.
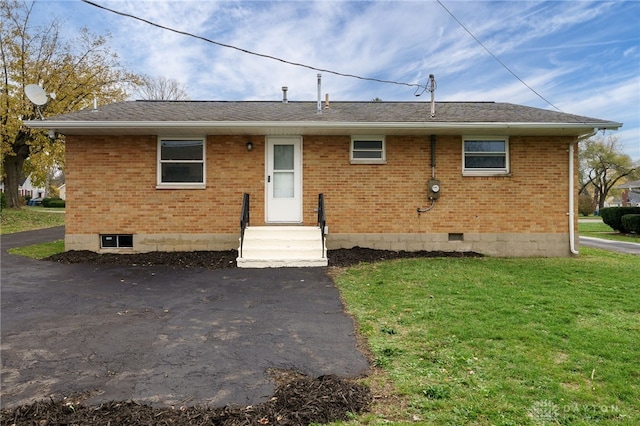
<point x="27" y="188"/>
<point x="630" y="194"/>
<point x="62" y="191"/>
<point x="170" y="175"/>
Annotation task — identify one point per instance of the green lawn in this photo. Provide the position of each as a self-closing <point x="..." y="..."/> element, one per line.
<point x="501" y="341"/>
<point x="29" y="218"/>
<point x="39" y="251"/>
<point x="595" y="228"/>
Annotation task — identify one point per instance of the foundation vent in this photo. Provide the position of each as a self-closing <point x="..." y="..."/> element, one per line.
<point x="456" y="237"/>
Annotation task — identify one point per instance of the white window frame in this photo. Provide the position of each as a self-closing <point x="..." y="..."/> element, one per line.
<point x="181" y="185"/>
<point x="376" y="138"/>
<point x="498" y="171"/>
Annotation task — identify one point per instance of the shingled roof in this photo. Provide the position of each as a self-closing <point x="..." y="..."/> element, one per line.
<point x="234" y="117"/>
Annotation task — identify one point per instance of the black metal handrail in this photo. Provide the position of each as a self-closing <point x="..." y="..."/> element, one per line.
<point x="244" y="219"/>
<point x="322" y="219"/>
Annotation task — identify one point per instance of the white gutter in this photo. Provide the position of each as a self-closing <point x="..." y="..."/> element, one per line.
<point x="571" y="214"/>
<point x="79" y="125"/>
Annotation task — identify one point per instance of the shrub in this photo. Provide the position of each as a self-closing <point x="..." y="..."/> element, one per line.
<point x="3" y="201"/>
<point x="631" y="222"/>
<point x="52" y="202"/>
<point x="612" y="216"/>
<point x="585" y="205"/>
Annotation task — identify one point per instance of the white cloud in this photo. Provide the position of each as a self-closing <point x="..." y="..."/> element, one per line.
<point x="581" y="55"/>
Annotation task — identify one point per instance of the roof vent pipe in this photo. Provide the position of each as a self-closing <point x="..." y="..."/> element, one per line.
<point x="284" y="94"/>
<point x="326" y="101"/>
<point x="319" y="108"/>
<point x="432" y="89"/>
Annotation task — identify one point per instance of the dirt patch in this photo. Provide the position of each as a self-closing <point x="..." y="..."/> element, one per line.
<point x="227" y="259"/>
<point x="297" y="400"/>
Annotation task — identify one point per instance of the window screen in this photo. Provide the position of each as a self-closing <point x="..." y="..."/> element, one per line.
<point x="485" y="155"/>
<point x="181" y="161"/>
<point x="368" y="149"/>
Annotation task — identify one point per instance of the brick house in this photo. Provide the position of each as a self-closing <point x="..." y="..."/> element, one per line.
<point x="170" y="175"/>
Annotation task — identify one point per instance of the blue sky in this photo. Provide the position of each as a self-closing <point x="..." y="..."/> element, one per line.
<point x="581" y="56"/>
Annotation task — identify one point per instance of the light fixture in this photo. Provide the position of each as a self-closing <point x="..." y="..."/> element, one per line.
<point x="249" y="146"/>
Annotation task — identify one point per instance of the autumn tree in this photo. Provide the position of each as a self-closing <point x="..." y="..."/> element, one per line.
<point x="602" y="166"/>
<point x="76" y="70"/>
<point x="161" y="89"/>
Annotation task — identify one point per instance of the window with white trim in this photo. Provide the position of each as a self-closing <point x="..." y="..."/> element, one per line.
<point x="181" y="163"/>
<point x="368" y="150"/>
<point x="485" y="156"/>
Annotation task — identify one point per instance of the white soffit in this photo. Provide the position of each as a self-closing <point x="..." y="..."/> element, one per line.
<point x="313" y="128"/>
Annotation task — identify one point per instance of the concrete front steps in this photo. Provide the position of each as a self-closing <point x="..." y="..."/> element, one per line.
<point x="282" y="246"/>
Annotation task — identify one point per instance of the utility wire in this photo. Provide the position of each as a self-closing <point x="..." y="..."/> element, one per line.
<point x="417" y="86"/>
<point x="495" y="57"/>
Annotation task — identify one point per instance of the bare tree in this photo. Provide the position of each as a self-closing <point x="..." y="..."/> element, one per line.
<point x="161" y="89"/>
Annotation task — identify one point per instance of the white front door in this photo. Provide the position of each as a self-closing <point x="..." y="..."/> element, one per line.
<point x="284" y="179"/>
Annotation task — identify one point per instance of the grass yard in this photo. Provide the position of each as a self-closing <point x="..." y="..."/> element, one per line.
<point x="598" y="229"/>
<point x="39" y="251"/>
<point x="29" y="218"/>
<point x="501" y="341"/>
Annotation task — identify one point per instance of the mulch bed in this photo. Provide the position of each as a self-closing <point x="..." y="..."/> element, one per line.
<point x="356" y="255"/>
<point x="227" y="259"/>
<point x="299" y="401"/>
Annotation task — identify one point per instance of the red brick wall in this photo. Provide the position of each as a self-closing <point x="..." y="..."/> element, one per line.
<point x="384" y="198"/>
<point x="111" y="187"/>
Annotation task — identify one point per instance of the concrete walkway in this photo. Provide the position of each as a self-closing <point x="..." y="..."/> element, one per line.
<point x="164" y="336"/>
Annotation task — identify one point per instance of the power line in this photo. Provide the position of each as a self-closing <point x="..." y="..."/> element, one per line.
<point x="146" y="21"/>
<point x="495" y="57"/>
<point x="416" y="85"/>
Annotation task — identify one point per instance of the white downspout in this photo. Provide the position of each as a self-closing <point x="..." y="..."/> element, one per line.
<point x="572" y="233"/>
<point x="572" y="241"/>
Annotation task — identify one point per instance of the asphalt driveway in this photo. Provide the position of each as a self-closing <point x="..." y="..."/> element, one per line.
<point x="164" y="336"/>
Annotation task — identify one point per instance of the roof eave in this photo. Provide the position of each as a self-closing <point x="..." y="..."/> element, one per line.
<point x="313" y="127"/>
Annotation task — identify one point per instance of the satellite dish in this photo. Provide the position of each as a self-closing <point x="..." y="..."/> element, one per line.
<point x="36" y="94"/>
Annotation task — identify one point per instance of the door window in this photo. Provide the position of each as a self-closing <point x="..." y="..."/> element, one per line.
<point x="283" y="171"/>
